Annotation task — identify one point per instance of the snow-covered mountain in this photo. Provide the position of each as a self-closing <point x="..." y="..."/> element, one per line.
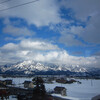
<point x="32" y="67"/>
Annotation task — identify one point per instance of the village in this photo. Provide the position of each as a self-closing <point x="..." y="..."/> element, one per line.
<point x="34" y="88"/>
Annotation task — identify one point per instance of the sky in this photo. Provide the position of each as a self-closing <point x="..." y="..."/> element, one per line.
<point x="55" y="31"/>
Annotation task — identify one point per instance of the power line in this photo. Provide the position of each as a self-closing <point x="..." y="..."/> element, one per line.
<point x="19" y="5"/>
<point x="4" y="1"/>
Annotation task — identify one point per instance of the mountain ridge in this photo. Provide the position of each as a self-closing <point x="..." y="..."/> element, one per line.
<point x="33" y="67"/>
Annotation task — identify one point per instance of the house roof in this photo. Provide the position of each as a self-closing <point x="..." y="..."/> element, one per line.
<point x="57" y="88"/>
<point x="8" y="80"/>
<point x="27" y="82"/>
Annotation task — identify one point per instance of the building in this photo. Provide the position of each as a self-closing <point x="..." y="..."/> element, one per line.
<point x="8" y="82"/>
<point x="71" y="81"/>
<point x="2" y="85"/>
<point x="61" y="80"/>
<point x="60" y="90"/>
<point x="28" y="84"/>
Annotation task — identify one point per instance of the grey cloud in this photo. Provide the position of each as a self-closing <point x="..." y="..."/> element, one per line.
<point x="77" y="53"/>
<point x="92" y="31"/>
<point x="96" y="53"/>
<point x="40" y="13"/>
<point x="69" y="40"/>
<point x="16" y="31"/>
<point x="82" y="10"/>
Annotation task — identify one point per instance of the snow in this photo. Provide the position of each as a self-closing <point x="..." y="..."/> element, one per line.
<point x="85" y="91"/>
<point x="65" y="97"/>
<point x="33" y="66"/>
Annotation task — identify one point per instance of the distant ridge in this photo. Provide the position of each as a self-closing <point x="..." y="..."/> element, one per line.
<point x="32" y="67"/>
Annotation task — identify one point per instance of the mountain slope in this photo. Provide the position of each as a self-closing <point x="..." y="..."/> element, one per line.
<point x="32" y="67"/>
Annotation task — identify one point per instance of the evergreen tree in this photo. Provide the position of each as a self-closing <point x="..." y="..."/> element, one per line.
<point x="39" y="90"/>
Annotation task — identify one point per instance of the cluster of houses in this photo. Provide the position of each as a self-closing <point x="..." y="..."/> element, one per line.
<point x="57" y="89"/>
<point x="65" y="81"/>
<point x="28" y="86"/>
<point x="49" y="80"/>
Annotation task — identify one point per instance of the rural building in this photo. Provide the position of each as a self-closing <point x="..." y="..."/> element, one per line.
<point x="2" y="85"/>
<point x="71" y="81"/>
<point x="8" y="82"/>
<point x="28" y="84"/>
<point x="60" y="90"/>
<point x="61" y="80"/>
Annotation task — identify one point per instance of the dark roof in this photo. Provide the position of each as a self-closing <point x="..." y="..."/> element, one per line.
<point x="57" y="88"/>
<point x="8" y="80"/>
<point x="27" y="82"/>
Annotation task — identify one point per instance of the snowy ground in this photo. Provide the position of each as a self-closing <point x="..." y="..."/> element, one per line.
<point x="85" y="91"/>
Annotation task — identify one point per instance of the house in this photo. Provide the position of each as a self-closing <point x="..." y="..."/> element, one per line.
<point x="8" y="82"/>
<point x="2" y="85"/>
<point x="71" y="81"/>
<point x="60" y="90"/>
<point x="1" y="81"/>
<point x="61" y="80"/>
<point x="28" y="84"/>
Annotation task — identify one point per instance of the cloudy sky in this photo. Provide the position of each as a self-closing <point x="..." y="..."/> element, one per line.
<point x="58" y="31"/>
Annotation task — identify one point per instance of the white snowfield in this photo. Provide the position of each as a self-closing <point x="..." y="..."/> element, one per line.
<point x="85" y="91"/>
<point x="65" y="97"/>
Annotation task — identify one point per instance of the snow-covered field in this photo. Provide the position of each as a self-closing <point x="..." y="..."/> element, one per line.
<point x="85" y="91"/>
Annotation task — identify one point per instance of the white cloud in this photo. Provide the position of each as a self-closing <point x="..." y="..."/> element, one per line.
<point x="24" y="50"/>
<point x="40" y="13"/>
<point x="40" y="51"/>
<point x="28" y="44"/>
<point x="9" y="47"/>
<point x="47" y="12"/>
<point x="37" y="45"/>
